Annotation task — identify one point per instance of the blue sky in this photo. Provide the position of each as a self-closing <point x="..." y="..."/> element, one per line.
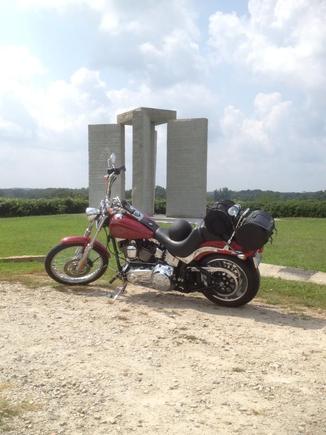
<point x="256" y="70"/>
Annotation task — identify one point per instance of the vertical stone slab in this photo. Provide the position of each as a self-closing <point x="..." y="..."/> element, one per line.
<point x="143" y="120"/>
<point x="104" y="139"/>
<point x="187" y="167"/>
<point x="143" y="162"/>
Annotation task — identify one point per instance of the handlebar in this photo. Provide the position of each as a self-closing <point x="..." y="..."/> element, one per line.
<point x="131" y="209"/>
<point x="116" y="171"/>
<point x="127" y="206"/>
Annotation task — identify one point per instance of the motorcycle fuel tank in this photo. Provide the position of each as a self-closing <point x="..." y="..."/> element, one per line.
<point x="123" y="226"/>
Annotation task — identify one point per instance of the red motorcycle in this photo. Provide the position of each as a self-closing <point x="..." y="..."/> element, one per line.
<point x="219" y="257"/>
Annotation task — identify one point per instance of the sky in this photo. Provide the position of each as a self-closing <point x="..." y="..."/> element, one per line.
<point x="256" y="70"/>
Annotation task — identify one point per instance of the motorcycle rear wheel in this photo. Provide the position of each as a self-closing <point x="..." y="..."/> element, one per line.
<point x="235" y="283"/>
<point x="61" y="264"/>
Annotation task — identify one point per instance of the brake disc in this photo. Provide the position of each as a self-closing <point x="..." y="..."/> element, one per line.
<point x="70" y="268"/>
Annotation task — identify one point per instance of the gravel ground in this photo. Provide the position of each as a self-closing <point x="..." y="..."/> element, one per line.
<point x="158" y="363"/>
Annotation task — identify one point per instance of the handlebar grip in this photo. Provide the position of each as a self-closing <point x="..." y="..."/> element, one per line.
<point x="125" y="204"/>
<point x="116" y="171"/>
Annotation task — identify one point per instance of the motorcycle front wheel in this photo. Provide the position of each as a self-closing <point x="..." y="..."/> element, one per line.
<point x="231" y="282"/>
<point x="62" y="261"/>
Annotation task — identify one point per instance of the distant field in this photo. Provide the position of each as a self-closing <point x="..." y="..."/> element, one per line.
<point x="35" y="235"/>
<point x="299" y="242"/>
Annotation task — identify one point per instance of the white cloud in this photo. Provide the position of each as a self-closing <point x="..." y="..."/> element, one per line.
<point x="273" y="145"/>
<point x="158" y="42"/>
<point x="256" y="133"/>
<point x="72" y="104"/>
<point x="266" y="118"/>
<point x="18" y="65"/>
<point x="282" y="40"/>
<point x="9" y="129"/>
<point x="41" y="168"/>
<point x="60" y="5"/>
<point x="177" y="58"/>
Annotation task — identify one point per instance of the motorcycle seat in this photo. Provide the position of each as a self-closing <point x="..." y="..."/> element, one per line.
<point x="182" y="248"/>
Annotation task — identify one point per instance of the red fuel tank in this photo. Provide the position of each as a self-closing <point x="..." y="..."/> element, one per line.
<point x="123" y="226"/>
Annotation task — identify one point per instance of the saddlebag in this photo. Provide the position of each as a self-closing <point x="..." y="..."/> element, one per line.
<point x="255" y="230"/>
<point x="217" y="220"/>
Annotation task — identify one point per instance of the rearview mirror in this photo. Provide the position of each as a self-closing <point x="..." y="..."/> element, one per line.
<point x="111" y="160"/>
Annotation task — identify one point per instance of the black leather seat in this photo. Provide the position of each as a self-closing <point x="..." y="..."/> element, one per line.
<point x="182" y="248"/>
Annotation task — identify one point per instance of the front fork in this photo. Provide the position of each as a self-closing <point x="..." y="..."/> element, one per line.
<point x="83" y="260"/>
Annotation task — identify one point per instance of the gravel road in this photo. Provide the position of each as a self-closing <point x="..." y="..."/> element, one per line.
<point x="158" y="363"/>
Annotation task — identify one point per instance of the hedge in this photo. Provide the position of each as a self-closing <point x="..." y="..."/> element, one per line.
<point x="35" y="207"/>
<point x="290" y="208"/>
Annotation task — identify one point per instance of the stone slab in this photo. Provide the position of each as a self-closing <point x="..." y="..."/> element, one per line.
<point x="156" y="116"/>
<point x="186" y="167"/>
<point x="104" y="139"/>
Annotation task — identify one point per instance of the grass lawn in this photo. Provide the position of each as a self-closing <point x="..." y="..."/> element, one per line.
<point x="292" y="294"/>
<point x="298" y="243"/>
<point x="35" y="235"/>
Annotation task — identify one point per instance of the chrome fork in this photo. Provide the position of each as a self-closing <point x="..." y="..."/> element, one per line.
<point x="83" y="260"/>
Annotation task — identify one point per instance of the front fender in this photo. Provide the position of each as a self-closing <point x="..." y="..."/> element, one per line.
<point x="84" y="241"/>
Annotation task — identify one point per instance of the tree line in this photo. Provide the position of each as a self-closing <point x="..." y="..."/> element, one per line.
<point x="160" y="193"/>
<point x="263" y="195"/>
<point x="32" y="202"/>
<point x="50" y="192"/>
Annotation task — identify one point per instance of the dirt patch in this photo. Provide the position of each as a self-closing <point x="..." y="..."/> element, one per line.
<point x="158" y="363"/>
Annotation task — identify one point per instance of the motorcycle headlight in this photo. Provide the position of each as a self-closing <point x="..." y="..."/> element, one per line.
<point x="92" y="213"/>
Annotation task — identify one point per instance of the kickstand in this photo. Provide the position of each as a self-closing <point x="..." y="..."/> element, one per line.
<point x="118" y="291"/>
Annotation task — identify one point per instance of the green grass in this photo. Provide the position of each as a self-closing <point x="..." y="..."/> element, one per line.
<point x="11" y="271"/>
<point x="35" y="235"/>
<point x="292" y="293"/>
<point x="299" y="242"/>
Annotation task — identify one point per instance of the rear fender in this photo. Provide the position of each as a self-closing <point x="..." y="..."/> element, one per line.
<point x="219" y="247"/>
<point x="71" y="240"/>
<point x="209" y="250"/>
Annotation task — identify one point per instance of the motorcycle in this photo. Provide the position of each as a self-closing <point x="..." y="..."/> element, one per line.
<point x="219" y="257"/>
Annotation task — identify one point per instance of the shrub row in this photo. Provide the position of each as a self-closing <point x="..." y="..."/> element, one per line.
<point x="290" y="208"/>
<point x="160" y="206"/>
<point x="35" y="207"/>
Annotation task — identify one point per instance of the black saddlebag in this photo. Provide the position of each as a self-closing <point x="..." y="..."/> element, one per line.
<point x="217" y="220"/>
<point x="255" y="230"/>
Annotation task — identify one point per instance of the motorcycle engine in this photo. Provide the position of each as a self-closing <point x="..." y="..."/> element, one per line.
<point x="158" y="277"/>
<point x="143" y="268"/>
<point x="138" y="250"/>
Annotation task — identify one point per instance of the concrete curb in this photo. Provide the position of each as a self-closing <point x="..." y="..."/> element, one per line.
<point x="22" y="258"/>
<point x="292" y="274"/>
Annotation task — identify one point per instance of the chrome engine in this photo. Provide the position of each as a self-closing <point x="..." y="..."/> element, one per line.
<point x="162" y="277"/>
<point x="159" y="277"/>
<point x="142" y="250"/>
<point x="142" y="256"/>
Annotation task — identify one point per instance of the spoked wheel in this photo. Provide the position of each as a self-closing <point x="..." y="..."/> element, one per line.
<point x="231" y="282"/>
<point x="61" y="264"/>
